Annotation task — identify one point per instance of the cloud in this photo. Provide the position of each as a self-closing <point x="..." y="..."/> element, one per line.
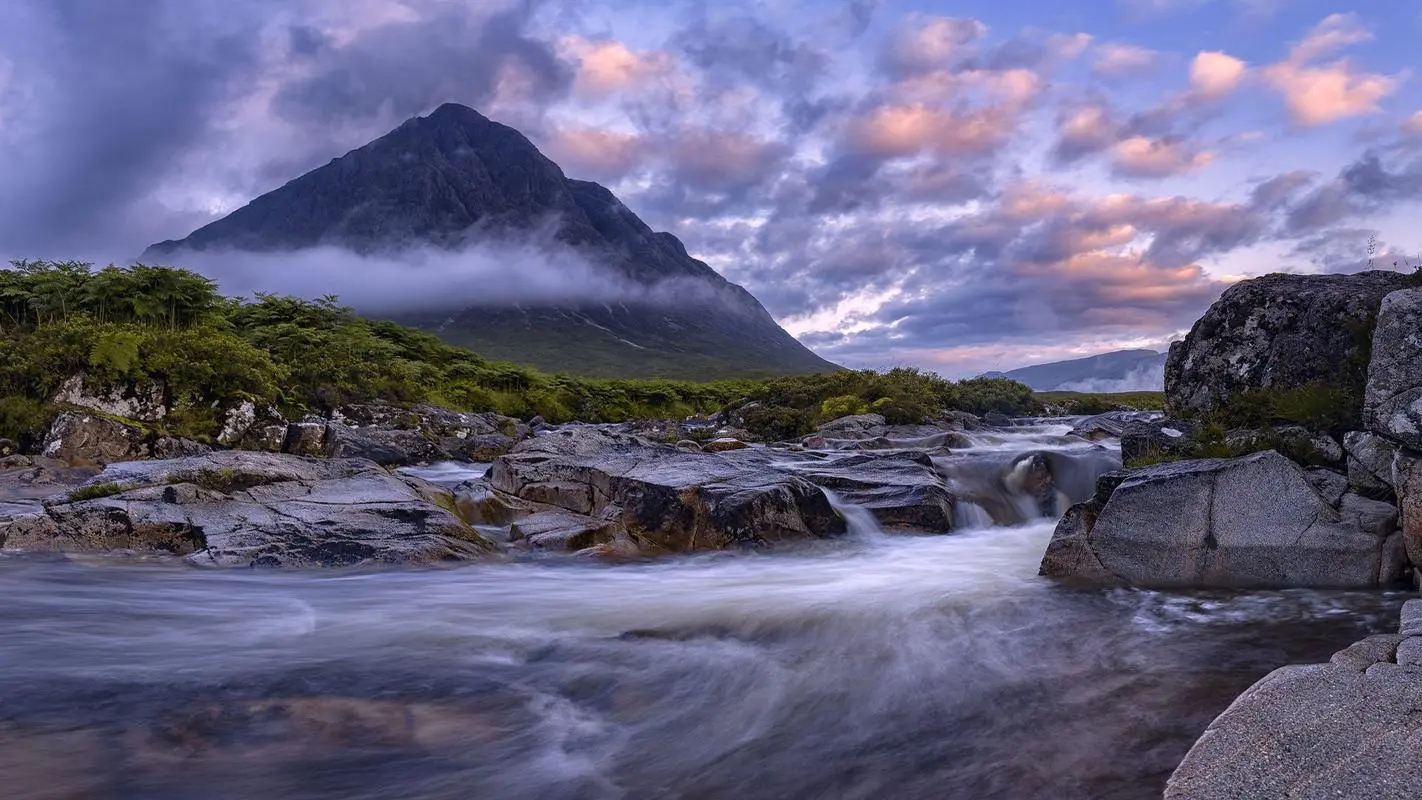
<point x="1116" y="60"/>
<point x="594" y="153"/>
<point x="1142" y="157"/>
<point x="1318" y="94"/>
<point x="1214" y="75"/>
<point x="607" y="66"/>
<point x="893" y="131"/>
<point x="925" y="44"/>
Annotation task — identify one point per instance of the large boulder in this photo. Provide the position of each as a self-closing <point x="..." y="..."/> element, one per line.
<point x="1392" y="406"/>
<point x="1279" y="332"/>
<point x="1407" y="478"/>
<point x="1347" y="728"/>
<point x="236" y="509"/>
<point x="663" y="498"/>
<point x="1251" y="522"/>
<point x="91" y="438"/>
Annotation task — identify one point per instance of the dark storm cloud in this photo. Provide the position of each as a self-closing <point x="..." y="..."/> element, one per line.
<point x="120" y="96"/>
<point x="405" y="68"/>
<point x="117" y="90"/>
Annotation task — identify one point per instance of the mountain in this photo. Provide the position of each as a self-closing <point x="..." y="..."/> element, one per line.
<point x="1120" y="371"/>
<point x="455" y="177"/>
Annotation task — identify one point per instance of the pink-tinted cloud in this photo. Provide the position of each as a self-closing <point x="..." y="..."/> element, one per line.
<point x="1143" y="157"/>
<point x="925" y="43"/>
<point x="1318" y="94"/>
<point x="1214" y="74"/>
<point x="893" y="131"/>
<point x="599" y="153"/>
<point x="606" y="66"/>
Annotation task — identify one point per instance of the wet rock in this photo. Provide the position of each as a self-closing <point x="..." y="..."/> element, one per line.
<point x="1369" y="463"/>
<point x="384" y="447"/>
<point x="231" y="509"/>
<point x="1251" y="522"/>
<point x="724" y="445"/>
<point x="1393" y="403"/>
<point x="1110" y="425"/>
<point x="858" y="426"/>
<point x="81" y="438"/>
<point x="143" y="403"/>
<point x="997" y="420"/>
<point x="562" y="531"/>
<point x="666" y="499"/>
<point x="1141" y="439"/>
<point x="477" y="503"/>
<point x="1278" y="332"/>
<point x="902" y="490"/>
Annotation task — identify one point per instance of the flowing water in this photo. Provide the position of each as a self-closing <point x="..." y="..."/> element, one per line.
<point x="879" y="666"/>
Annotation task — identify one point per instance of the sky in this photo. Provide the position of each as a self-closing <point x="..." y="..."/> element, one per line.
<point x="956" y="186"/>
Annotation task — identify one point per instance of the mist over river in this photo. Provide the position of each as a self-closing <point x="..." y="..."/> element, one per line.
<point x="874" y="667"/>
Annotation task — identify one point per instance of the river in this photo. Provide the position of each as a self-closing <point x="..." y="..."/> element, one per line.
<point x="876" y="667"/>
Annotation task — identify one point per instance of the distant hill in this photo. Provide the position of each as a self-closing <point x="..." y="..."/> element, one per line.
<point x="1119" y="371"/>
<point x="455" y="177"/>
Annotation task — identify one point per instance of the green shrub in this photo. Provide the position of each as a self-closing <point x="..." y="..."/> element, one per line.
<point x="779" y="423"/>
<point x="842" y="406"/>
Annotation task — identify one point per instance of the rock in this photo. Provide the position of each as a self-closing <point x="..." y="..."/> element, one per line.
<point x="477" y="503"/>
<point x="486" y="447"/>
<point x="1330" y="485"/>
<point x="1278" y="332"/>
<point x="7" y="447"/>
<point x="78" y="438"/>
<point x="1344" y="729"/>
<point x="1407" y="477"/>
<point x="142" y="403"/>
<point x="236" y="422"/>
<point x="687" y="444"/>
<point x="724" y="445"/>
<point x="384" y="447"/>
<point x="857" y="426"/>
<point x="1111" y="425"/>
<point x="238" y="509"/>
<point x="177" y="447"/>
<point x="1251" y="522"/>
<point x="1369" y="459"/>
<point x="1142" y="439"/>
<point x="666" y="499"/>
<point x="307" y="439"/>
<point x="997" y="420"/>
<point x="12" y="462"/>
<point x="562" y="531"/>
<point x="902" y="490"/>
<point x="1392" y="406"/>
<point x="264" y="439"/>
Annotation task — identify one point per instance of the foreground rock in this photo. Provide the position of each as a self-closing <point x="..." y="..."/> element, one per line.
<point x="1343" y="729"/>
<point x="1251" y="522"/>
<point x="1393" y="403"/>
<point x="253" y="510"/>
<point x="1278" y="332"/>
<point x="659" y="497"/>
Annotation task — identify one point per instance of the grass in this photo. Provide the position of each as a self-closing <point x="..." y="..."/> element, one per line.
<point x="1101" y="402"/>
<point x="96" y="491"/>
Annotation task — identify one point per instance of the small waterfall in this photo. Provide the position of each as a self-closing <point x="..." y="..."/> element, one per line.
<point x="969" y="516"/>
<point x="859" y="520"/>
<point x="1013" y="487"/>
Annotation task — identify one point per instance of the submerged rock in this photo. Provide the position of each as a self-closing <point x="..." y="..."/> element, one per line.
<point x="235" y="509"/>
<point x="1251" y="522"/>
<point x="903" y="491"/>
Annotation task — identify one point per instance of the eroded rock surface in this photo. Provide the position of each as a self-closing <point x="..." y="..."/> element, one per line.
<point x="236" y="509"/>
<point x="1393" y="403"/>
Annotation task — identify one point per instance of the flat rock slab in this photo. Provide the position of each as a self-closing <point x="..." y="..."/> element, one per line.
<point x="254" y="510"/>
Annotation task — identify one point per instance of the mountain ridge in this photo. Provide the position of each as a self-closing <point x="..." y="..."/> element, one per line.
<point x="1116" y="371"/>
<point x="454" y="178"/>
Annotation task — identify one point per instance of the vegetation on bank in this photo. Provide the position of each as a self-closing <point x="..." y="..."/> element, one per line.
<point x="1074" y="403"/>
<point x="130" y="327"/>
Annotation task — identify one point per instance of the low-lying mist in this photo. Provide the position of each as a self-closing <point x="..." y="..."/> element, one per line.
<point x="432" y="279"/>
<point x="1145" y="378"/>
